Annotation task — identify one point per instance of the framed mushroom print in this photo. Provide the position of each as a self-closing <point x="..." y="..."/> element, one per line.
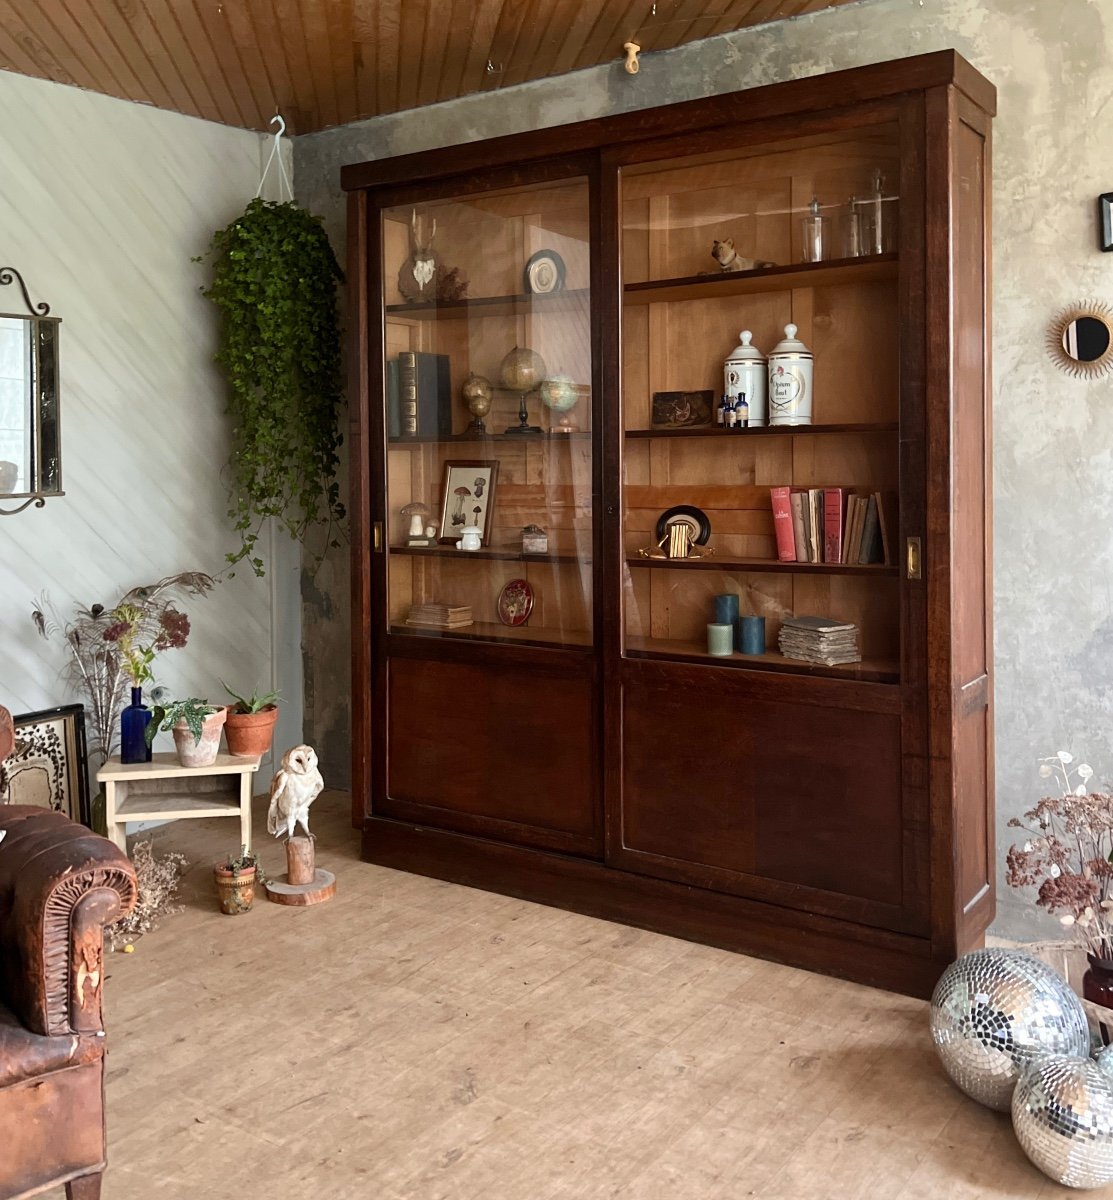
<point x="47" y="765"/>
<point x="468" y="500"/>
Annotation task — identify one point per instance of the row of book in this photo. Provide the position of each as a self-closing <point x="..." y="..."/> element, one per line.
<point x="832" y="525"/>
<point x="418" y="395"/>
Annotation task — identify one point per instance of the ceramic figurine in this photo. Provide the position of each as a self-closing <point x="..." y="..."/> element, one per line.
<point x="416" y="512"/>
<point x="470" y="538"/>
<point x="724" y="253"/>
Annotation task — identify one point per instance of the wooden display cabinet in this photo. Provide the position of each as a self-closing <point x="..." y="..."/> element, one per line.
<point x="596" y="756"/>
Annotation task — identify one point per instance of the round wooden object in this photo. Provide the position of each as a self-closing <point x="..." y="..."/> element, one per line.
<point x="301" y="865"/>
<point x="322" y="888"/>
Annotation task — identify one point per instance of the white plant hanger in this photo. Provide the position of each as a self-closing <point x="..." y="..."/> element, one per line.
<point x="276" y="152"/>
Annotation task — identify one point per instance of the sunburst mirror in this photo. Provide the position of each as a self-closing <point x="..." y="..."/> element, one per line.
<point x="1080" y="339"/>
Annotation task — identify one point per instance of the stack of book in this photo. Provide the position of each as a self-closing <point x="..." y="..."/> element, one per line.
<point x="832" y="525"/>
<point x="439" y="616"/>
<point x="820" y="640"/>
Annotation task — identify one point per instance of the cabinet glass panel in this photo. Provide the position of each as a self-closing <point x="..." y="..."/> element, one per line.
<point x="488" y="415"/>
<point x="803" y="233"/>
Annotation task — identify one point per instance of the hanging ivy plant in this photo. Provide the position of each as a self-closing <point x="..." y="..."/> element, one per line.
<point x="274" y="281"/>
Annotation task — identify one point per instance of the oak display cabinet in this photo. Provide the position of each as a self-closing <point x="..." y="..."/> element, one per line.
<point x="596" y="757"/>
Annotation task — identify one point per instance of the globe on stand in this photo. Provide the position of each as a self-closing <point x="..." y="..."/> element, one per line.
<point x="521" y="371"/>
<point x="559" y="394"/>
<point x="476" y="394"/>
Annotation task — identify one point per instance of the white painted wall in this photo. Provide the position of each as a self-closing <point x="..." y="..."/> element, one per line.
<point x="102" y="207"/>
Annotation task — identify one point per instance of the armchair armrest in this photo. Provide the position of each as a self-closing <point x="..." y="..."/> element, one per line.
<point x="60" y="884"/>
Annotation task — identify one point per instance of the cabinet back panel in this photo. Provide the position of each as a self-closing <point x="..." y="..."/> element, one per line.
<point x="488" y="741"/>
<point x="780" y="791"/>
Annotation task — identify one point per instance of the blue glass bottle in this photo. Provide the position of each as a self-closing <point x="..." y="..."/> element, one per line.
<point x="133" y="729"/>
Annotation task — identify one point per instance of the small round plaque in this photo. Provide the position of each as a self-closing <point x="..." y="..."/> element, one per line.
<point x="515" y="602"/>
<point x="544" y="272"/>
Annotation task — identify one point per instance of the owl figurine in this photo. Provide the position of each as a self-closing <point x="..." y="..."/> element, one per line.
<point x="293" y="790"/>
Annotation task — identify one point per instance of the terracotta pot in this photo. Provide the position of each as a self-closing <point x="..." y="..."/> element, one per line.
<point x="204" y="752"/>
<point x="235" y="889"/>
<point x="249" y="734"/>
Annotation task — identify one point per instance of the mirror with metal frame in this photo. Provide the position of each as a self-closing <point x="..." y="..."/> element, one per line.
<point x="1080" y="339"/>
<point x="30" y="434"/>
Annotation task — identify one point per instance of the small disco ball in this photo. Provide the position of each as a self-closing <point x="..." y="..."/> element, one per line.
<point x="1063" y="1118"/>
<point x="993" y="1011"/>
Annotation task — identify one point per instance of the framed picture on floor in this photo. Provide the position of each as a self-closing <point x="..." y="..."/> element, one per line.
<point x="48" y="764"/>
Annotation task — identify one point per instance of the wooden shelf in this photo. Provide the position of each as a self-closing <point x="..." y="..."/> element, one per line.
<point x="765" y="430"/>
<point x="522" y="439"/>
<point x="573" y="299"/>
<point x="493" y="631"/>
<point x="872" y="670"/>
<point x="761" y="565"/>
<point x="835" y="273"/>
<point x="500" y="555"/>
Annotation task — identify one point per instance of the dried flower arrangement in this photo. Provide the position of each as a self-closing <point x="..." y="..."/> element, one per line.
<point x="1068" y="854"/>
<point x="158" y="879"/>
<point x="110" y="647"/>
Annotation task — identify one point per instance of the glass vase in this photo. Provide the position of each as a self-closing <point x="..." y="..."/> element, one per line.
<point x="133" y="730"/>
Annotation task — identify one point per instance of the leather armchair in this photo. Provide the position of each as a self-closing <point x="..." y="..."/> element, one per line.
<point x="60" y="884"/>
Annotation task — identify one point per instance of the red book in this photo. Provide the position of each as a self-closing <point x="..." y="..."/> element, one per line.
<point x="832" y="524"/>
<point x="782" y="523"/>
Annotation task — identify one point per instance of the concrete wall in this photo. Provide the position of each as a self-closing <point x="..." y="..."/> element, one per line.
<point x="1053" y="66"/>
<point x="102" y="207"/>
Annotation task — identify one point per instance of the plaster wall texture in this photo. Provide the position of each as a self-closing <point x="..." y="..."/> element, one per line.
<point x="1053" y="455"/>
<point x="103" y="205"/>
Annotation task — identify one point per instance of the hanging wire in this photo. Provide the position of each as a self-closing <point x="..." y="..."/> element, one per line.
<point x="275" y="151"/>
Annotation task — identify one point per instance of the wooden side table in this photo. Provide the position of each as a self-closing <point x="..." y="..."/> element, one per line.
<point x="164" y="790"/>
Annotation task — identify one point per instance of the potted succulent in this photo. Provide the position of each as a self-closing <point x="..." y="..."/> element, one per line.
<point x="196" y="727"/>
<point x="235" y="877"/>
<point x="249" y="726"/>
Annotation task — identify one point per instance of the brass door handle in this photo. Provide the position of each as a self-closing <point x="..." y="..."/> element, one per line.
<point x="913" y="564"/>
<point x="377" y="537"/>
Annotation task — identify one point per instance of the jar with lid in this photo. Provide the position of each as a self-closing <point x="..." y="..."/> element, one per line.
<point x="790" y="381"/>
<point x="745" y="373"/>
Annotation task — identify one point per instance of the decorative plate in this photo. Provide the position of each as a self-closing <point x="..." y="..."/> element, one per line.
<point x="685" y="514"/>
<point x="515" y="602"/>
<point x="544" y="272"/>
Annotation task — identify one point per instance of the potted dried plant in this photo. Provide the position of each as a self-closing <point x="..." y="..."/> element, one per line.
<point x="249" y="726"/>
<point x="196" y="727"/>
<point x="1067" y="858"/>
<point x="235" y="877"/>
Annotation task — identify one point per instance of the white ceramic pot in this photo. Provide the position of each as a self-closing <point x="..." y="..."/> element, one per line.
<point x="745" y="373"/>
<point x="790" y="381"/>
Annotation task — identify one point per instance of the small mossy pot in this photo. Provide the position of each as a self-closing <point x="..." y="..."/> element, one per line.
<point x="249" y="735"/>
<point x="234" y="888"/>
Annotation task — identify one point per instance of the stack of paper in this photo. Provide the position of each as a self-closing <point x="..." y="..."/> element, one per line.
<point x="820" y="640"/>
<point x="439" y="616"/>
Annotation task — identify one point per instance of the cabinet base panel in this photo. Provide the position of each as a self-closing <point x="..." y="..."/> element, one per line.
<point x="864" y="955"/>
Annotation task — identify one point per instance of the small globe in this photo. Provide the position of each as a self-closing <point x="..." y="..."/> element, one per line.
<point x="559" y="393"/>
<point x="522" y="370"/>
<point x="476" y="393"/>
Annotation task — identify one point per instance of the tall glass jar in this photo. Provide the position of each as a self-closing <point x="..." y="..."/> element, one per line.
<point x="133" y="730"/>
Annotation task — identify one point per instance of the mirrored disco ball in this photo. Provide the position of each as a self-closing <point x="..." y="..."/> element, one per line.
<point x="1063" y="1117"/>
<point x="993" y="1011"/>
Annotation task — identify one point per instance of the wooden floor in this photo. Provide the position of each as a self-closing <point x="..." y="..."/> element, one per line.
<point x="422" y="1040"/>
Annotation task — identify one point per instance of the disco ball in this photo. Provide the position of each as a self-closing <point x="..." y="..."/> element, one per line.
<point x="1063" y="1117"/>
<point x="993" y="1011"/>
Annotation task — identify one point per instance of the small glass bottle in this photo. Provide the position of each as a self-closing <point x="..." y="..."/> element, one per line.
<point x="812" y="226"/>
<point x="855" y="240"/>
<point x="876" y="221"/>
<point x="133" y="730"/>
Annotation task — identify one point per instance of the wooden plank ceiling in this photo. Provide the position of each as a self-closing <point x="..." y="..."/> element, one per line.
<point x="326" y="62"/>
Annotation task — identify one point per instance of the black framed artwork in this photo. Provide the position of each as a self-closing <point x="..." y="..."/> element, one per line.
<point x="48" y="764"/>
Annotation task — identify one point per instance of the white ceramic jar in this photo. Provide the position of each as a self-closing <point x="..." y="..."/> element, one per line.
<point x="745" y="373"/>
<point x="790" y="381"/>
<point x="470" y="538"/>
